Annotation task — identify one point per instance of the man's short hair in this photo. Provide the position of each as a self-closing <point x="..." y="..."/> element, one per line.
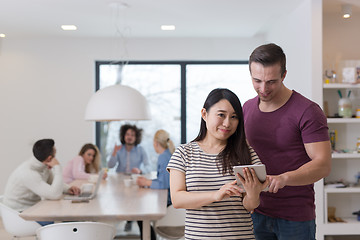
<point x="269" y="55"/>
<point x="43" y="148"/>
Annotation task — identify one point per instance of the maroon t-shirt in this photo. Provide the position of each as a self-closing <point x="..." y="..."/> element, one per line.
<point x="278" y="138"/>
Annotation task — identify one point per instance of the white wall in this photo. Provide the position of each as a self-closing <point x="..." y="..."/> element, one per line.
<point x="46" y="82"/>
<point x="45" y="85"/>
<point x="299" y="34"/>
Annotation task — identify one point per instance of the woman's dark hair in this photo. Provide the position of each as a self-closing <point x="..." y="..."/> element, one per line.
<point x="236" y="151"/>
<point x="268" y="55"/>
<point x="43" y="148"/>
<point x="138" y="133"/>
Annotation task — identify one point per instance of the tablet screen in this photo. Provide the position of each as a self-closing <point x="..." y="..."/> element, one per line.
<point x="259" y="169"/>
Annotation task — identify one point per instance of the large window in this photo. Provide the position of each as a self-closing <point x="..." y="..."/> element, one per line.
<point x="202" y="78"/>
<point x="176" y="92"/>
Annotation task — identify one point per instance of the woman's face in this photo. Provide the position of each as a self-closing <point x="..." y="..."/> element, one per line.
<point x="156" y="146"/>
<point x="221" y="120"/>
<point x="130" y="137"/>
<point x="89" y="156"/>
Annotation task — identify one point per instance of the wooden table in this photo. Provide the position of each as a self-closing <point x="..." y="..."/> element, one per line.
<point x="114" y="202"/>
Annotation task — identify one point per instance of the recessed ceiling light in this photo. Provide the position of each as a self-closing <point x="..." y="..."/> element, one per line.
<point x="346" y="10"/>
<point x="68" y="27"/>
<point x="2" y="35"/>
<point x="168" y="27"/>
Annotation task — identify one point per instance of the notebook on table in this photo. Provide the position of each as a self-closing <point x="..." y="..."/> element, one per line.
<point x="87" y="195"/>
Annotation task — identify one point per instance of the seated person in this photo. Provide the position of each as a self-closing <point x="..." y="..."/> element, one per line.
<point x="165" y="147"/>
<point x="37" y="178"/>
<point x="84" y="165"/>
<point x="129" y="157"/>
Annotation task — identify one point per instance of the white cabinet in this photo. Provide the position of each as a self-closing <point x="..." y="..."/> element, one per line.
<point x="345" y="166"/>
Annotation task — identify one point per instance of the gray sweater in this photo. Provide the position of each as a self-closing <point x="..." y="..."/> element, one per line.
<point x="32" y="181"/>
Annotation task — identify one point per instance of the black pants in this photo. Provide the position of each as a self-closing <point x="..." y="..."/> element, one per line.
<point x="152" y="232"/>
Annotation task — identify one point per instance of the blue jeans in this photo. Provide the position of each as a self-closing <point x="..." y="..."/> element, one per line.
<point x="44" y="223"/>
<point x="268" y="228"/>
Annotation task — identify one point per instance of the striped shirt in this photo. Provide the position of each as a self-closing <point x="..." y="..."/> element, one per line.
<point x="225" y="219"/>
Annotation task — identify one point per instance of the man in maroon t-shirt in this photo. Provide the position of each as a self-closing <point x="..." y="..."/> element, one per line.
<point x="290" y="135"/>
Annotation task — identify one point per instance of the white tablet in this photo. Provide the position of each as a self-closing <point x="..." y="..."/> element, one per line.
<point x="260" y="171"/>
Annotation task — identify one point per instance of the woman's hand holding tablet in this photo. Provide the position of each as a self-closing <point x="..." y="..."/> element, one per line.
<point x="259" y="169"/>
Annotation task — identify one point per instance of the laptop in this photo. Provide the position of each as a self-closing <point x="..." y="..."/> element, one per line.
<point x="87" y="195"/>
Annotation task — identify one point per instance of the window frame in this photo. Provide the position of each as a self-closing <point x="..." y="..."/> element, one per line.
<point x="183" y="65"/>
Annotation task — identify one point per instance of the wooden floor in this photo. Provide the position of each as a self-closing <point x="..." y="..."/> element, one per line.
<point x="134" y="234"/>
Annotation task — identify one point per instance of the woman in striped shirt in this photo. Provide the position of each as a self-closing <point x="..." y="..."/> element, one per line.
<point x="201" y="174"/>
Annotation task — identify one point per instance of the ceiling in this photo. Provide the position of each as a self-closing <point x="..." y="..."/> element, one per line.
<point x="142" y="18"/>
<point x="334" y="6"/>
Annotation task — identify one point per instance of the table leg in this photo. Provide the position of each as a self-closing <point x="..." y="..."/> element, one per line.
<point x="146" y="229"/>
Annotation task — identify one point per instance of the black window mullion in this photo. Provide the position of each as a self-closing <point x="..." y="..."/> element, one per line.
<point x="183" y="65"/>
<point x="97" y="87"/>
<point x="183" y="103"/>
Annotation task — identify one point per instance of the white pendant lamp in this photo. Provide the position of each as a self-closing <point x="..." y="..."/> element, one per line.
<point x="115" y="103"/>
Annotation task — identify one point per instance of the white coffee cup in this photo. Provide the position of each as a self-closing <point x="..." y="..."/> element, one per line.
<point x="93" y="178"/>
<point x="134" y="177"/>
<point x="87" y="187"/>
<point x="127" y="182"/>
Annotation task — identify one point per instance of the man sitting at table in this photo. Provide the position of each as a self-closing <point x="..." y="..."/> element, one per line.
<point x="37" y="178"/>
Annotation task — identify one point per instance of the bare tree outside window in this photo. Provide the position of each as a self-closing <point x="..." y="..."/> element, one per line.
<point x="161" y="86"/>
<point x="201" y="79"/>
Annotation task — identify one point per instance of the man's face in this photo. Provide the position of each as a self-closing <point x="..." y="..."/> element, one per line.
<point x="130" y="137"/>
<point x="49" y="159"/>
<point x="267" y="81"/>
